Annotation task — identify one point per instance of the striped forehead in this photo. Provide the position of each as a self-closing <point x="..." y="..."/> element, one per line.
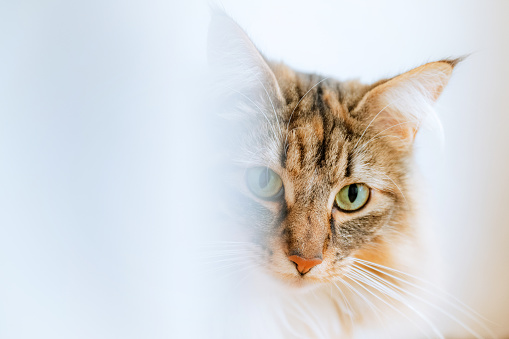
<point x="318" y="137"/>
<point x="311" y="135"/>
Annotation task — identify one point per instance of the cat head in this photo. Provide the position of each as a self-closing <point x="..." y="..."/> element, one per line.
<point x="320" y="167"/>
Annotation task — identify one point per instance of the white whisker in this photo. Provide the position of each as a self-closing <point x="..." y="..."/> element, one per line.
<point x="465" y="309"/>
<point x="398" y="297"/>
<point x="369" y="303"/>
<point x="346" y="303"/>
<point x="436" y="307"/>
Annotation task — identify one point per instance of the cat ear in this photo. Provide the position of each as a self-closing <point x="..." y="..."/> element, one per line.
<point x="240" y="71"/>
<point x="399" y="105"/>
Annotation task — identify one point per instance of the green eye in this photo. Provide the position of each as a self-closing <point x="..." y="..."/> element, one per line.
<point x="352" y="197"/>
<point x="264" y="182"/>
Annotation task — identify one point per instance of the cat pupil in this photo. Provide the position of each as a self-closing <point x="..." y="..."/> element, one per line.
<point x="263" y="180"/>
<point x="352" y="192"/>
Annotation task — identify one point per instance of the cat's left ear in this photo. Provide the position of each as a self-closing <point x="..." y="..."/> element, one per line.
<point x="399" y="105"/>
<point x="241" y="72"/>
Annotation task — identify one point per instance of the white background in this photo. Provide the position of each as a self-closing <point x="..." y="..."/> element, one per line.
<point x="96" y="140"/>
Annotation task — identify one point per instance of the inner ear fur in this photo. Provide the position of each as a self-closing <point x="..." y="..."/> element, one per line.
<point x="399" y="105"/>
<point x="239" y="69"/>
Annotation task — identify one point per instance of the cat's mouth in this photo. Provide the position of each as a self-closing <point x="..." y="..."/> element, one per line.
<point x="298" y="273"/>
<point x="304" y="278"/>
<point x="294" y="281"/>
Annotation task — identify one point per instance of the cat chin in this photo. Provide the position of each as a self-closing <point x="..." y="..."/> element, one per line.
<point x="295" y="283"/>
<point x="302" y="285"/>
<point x="284" y="281"/>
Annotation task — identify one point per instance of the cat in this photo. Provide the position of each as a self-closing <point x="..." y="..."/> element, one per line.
<point x="319" y="198"/>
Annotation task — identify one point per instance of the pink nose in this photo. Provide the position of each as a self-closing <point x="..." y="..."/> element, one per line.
<point x="303" y="264"/>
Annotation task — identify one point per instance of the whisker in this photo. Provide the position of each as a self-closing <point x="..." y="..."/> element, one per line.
<point x="346" y="303"/>
<point x="399" y="297"/>
<point x="223" y="242"/>
<point x="226" y="266"/>
<point x="231" y="259"/>
<point x="255" y="264"/>
<point x="436" y="307"/>
<point x="369" y="303"/>
<point x="216" y="254"/>
<point x="246" y="267"/>
<point x="465" y="309"/>
<point x="227" y="251"/>
<point x="287" y="325"/>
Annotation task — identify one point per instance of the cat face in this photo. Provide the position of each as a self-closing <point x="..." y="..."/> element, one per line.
<point x="320" y="166"/>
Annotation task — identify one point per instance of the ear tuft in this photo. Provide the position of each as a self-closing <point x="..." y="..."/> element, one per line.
<point x="454" y="62"/>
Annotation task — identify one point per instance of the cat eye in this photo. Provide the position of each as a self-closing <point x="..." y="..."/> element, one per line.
<point x="264" y="182"/>
<point x="352" y="197"/>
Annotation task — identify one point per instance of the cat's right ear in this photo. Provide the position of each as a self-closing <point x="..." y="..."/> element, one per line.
<point x="240" y="71"/>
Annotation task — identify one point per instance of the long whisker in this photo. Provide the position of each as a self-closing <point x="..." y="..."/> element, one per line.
<point x="216" y="268"/>
<point x="228" y="270"/>
<point x="223" y="242"/>
<point x="225" y="247"/>
<point x="460" y="306"/>
<point x="345" y="299"/>
<point x="345" y="302"/>
<point x="247" y="267"/>
<point x="441" y="310"/>
<point x="375" y="309"/>
<point x="230" y="259"/>
<point x="239" y="249"/>
<point x="397" y="296"/>
<point x="282" y="316"/>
